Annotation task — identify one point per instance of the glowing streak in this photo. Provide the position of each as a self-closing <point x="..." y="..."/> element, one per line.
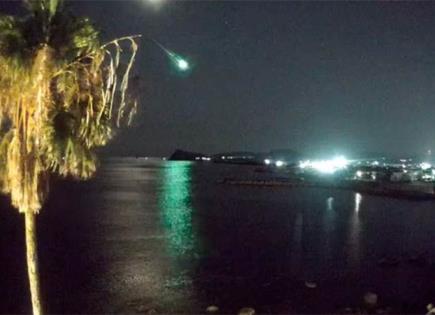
<point x="181" y="63"/>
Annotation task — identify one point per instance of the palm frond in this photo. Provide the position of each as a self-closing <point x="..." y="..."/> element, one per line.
<point x="61" y="99"/>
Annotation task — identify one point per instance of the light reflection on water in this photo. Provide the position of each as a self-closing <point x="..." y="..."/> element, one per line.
<point x="138" y="232"/>
<point x="358" y="199"/>
<point x="176" y="215"/>
<point x="330" y="203"/>
<point x="255" y="237"/>
<point x="354" y="240"/>
<point x="175" y="203"/>
<point x="329" y="225"/>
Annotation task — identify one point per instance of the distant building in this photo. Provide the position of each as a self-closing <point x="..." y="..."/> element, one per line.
<point x="406" y="175"/>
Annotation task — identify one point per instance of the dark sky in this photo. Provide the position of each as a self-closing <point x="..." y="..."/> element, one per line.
<point x="312" y="76"/>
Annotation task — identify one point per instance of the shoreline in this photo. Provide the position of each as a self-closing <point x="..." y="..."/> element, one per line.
<point x="377" y="189"/>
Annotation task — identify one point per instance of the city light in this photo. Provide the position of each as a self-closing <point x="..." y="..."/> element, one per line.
<point x="326" y="166"/>
<point x="279" y="163"/>
<point x="267" y="161"/>
<point x="340" y="162"/>
<point x="425" y="166"/>
<point x="304" y="164"/>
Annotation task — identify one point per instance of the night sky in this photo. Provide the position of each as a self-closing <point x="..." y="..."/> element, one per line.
<point x="329" y="77"/>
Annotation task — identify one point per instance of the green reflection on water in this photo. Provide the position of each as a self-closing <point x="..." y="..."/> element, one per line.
<point x="176" y="206"/>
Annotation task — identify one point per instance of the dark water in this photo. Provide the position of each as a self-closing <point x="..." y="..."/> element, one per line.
<point x="149" y="235"/>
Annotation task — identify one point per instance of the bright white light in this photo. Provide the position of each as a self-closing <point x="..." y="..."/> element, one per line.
<point x="304" y="164"/>
<point x="279" y="163"/>
<point x="340" y="162"/>
<point x="267" y="161"/>
<point x="425" y="166"/>
<point x="182" y="64"/>
<point x="375" y="163"/>
<point x="326" y="166"/>
<point x="426" y="177"/>
<point x="330" y="166"/>
<point x="359" y="174"/>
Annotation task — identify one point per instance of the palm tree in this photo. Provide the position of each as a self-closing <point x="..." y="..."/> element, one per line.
<point x="62" y="94"/>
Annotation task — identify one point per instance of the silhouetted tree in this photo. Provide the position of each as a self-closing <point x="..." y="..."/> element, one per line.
<point x="61" y="96"/>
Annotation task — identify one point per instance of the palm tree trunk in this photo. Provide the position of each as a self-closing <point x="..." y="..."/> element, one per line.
<point x="32" y="261"/>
